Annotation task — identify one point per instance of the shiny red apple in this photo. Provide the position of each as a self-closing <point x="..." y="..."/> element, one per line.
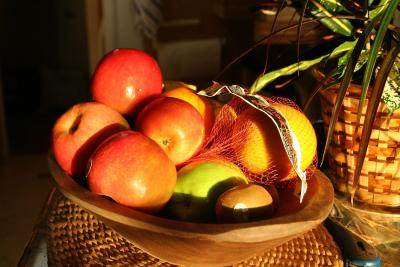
<point x="175" y="125"/>
<point x="126" y="79"/>
<point x="133" y="170"/>
<point x="78" y="132"/>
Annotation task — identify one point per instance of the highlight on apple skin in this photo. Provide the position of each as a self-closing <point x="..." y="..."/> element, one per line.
<point x="126" y="79"/>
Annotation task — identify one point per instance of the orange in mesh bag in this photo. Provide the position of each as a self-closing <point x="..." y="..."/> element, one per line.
<point x="249" y="138"/>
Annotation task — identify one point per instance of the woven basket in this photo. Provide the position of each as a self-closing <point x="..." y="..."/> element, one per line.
<point x="379" y="182"/>
<point x="76" y="238"/>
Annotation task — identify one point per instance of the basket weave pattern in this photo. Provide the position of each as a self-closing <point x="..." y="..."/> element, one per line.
<point x="77" y="238"/>
<point x="379" y="182"/>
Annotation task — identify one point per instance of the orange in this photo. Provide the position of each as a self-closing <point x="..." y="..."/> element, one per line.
<point x="169" y="85"/>
<point x="260" y="149"/>
<point x="202" y="104"/>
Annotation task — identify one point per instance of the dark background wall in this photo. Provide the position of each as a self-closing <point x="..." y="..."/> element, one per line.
<point x="44" y="67"/>
<point x="46" y="53"/>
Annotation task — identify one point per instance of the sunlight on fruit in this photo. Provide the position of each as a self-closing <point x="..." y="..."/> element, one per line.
<point x="262" y="150"/>
<point x="189" y="96"/>
<point x="201" y="104"/>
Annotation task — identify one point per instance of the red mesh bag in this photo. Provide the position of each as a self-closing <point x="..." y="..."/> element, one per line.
<point x="246" y="133"/>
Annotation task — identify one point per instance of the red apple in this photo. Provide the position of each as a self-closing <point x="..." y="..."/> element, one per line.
<point x="78" y="132"/>
<point x="133" y="170"/>
<point x="175" y="125"/>
<point x="126" y="79"/>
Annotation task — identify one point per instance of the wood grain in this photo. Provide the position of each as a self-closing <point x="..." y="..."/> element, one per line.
<point x="194" y="244"/>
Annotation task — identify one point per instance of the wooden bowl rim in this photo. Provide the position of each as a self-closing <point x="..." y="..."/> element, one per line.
<point x="313" y="213"/>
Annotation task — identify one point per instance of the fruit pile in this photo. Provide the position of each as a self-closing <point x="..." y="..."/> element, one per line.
<point x="143" y="145"/>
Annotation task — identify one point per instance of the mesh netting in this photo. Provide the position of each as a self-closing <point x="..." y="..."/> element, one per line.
<point x="247" y="137"/>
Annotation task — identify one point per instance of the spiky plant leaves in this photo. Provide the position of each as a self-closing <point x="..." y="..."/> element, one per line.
<point x="370" y="115"/>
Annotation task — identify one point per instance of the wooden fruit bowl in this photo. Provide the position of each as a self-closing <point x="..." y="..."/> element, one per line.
<point x="196" y="244"/>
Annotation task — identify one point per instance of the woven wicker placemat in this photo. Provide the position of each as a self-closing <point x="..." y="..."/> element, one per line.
<point x="76" y="238"/>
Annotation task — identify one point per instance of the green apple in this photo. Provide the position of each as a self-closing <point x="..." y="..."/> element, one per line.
<point x="198" y="187"/>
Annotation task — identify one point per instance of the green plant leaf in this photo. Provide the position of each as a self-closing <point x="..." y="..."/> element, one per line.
<point x="379" y="9"/>
<point x="386" y="19"/>
<point x="333" y="5"/>
<point x="344" y="85"/>
<point x="340" y="26"/>
<point x="391" y="91"/>
<point x="370" y="114"/>
<point x="264" y="79"/>
<point x="269" y="77"/>
<point x="360" y="62"/>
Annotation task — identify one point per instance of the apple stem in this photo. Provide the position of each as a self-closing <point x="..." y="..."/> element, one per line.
<point x="166" y="142"/>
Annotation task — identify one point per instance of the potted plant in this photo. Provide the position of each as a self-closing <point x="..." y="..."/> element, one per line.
<point x="357" y="116"/>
